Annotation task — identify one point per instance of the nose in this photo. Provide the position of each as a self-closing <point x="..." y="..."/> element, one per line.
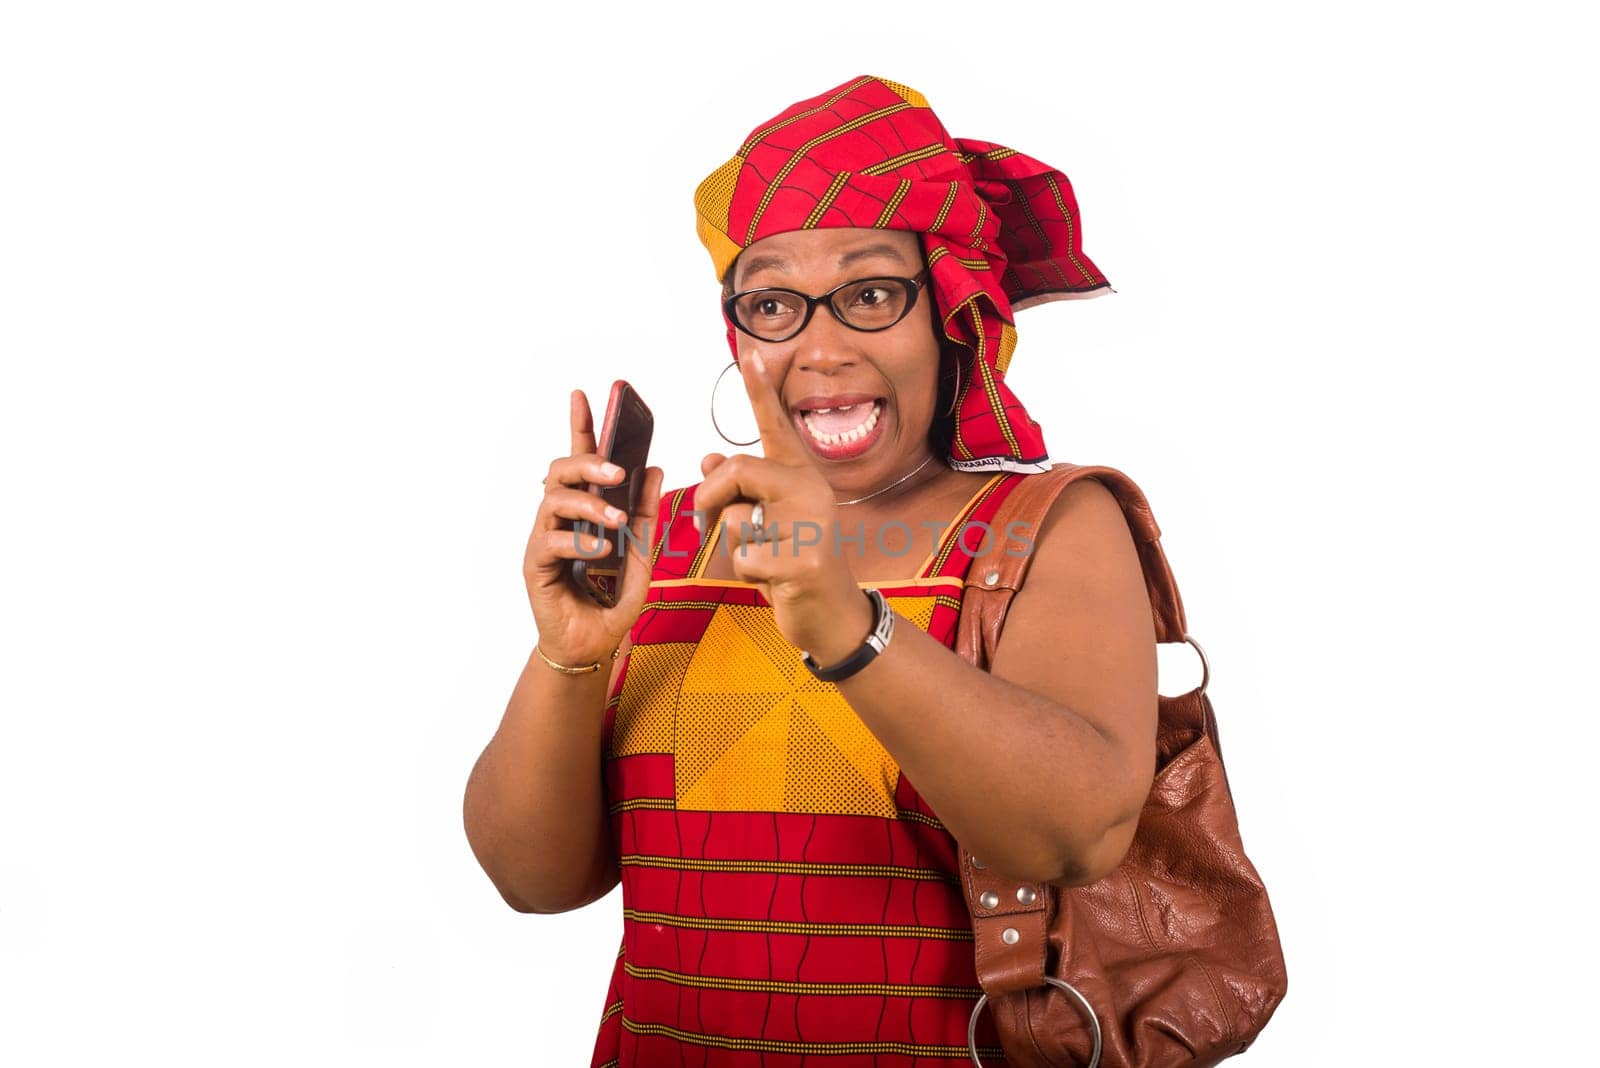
<point x="825" y="345"/>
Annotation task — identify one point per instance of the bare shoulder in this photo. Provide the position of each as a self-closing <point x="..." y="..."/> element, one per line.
<point x="1084" y="522"/>
<point x="1084" y="548"/>
<point x="1080" y="629"/>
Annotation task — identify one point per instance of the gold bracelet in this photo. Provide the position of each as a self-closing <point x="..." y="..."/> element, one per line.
<point x="565" y="670"/>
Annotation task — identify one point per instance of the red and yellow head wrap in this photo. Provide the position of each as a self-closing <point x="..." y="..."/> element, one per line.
<point x="999" y="230"/>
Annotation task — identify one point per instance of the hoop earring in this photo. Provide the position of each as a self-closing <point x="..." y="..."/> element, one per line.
<point x="730" y="441"/>
<point x="955" y="394"/>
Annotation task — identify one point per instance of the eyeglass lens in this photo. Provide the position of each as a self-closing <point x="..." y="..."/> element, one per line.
<point x="869" y="304"/>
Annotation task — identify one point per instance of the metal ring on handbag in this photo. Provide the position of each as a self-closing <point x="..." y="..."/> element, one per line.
<point x="1205" y="665"/>
<point x="1088" y="1010"/>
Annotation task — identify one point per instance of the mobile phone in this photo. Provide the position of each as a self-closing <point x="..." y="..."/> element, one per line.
<point x="625" y="441"/>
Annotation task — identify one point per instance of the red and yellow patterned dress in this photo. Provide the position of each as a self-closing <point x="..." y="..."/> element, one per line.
<point x="787" y="896"/>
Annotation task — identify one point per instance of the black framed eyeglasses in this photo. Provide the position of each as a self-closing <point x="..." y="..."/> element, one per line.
<point x="866" y="304"/>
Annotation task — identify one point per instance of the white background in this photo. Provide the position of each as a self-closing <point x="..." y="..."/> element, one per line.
<point x="291" y="297"/>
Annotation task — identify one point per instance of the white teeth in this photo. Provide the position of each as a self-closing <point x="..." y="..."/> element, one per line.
<point x="848" y="436"/>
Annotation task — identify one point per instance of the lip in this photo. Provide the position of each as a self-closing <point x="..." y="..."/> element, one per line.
<point x="847" y="450"/>
<point x="831" y="400"/>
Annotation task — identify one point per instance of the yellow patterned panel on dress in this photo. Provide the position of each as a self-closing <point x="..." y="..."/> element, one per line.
<point x="649" y="691"/>
<point x="756" y="732"/>
<point x="917" y="609"/>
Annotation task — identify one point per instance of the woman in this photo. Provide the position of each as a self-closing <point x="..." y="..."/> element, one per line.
<point x="785" y="827"/>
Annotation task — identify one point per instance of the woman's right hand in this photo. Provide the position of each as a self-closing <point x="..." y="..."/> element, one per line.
<point x="573" y="629"/>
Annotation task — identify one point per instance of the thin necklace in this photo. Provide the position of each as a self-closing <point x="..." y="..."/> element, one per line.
<point x="891" y="485"/>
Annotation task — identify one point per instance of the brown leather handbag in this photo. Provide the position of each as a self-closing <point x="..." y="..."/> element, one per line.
<point x="1173" y="959"/>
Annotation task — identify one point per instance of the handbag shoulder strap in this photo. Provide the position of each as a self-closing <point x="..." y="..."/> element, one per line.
<point x="994" y="579"/>
<point x="1011" y="933"/>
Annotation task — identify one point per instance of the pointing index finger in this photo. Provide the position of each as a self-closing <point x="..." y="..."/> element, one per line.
<point x="779" y="439"/>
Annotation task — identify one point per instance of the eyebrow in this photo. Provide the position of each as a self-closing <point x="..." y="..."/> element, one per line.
<point x="778" y="263"/>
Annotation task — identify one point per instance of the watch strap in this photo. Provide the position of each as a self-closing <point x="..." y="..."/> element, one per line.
<point x="876" y="641"/>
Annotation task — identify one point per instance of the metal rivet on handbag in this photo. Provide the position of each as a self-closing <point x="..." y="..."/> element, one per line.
<point x="1172" y="959"/>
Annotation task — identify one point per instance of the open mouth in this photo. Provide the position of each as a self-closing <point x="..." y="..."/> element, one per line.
<point x="844" y="432"/>
<point x="844" y="425"/>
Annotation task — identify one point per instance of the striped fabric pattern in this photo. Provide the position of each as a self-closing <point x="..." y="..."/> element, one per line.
<point x="787" y="895"/>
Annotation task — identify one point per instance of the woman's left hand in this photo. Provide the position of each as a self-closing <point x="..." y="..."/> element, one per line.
<point x="816" y="602"/>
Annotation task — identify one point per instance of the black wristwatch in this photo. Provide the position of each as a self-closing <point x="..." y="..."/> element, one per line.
<point x="877" y="640"/>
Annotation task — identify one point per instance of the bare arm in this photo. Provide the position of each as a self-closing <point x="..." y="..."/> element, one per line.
<point x="535" y="802"/>
<point x="1041" y="766"/>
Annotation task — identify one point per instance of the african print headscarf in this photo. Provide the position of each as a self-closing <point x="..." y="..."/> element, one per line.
<point x="1000" y="231"/>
